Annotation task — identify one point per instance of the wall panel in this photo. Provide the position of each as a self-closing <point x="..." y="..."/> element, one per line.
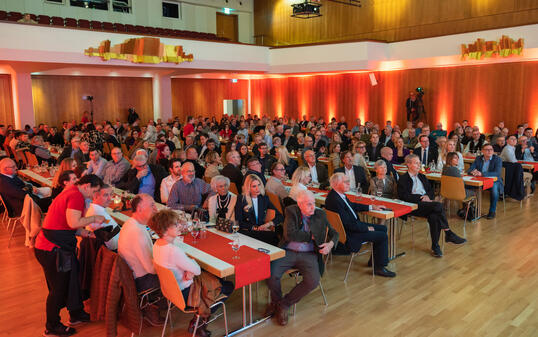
<point x="59" y="98"/>
<point x="483" y="94"/>
<point x="389" y="20"/>
<point x="204" y="96"/>
<point x="6" y="100"/>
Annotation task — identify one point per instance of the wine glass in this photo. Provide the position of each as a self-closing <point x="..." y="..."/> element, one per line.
<point x="359" y="190"/>
<point x="235" y="226"/>
<point x="235" y="246"/>
<point x="194" y="233"/>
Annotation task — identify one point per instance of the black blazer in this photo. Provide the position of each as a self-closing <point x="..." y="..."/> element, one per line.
<point x="360" y="176"/>
<point x="13" y="191"/>
<point x="391" y="170"/>
<point x="113" y="140"/>
<point x="247" y="218"/>
<point x="351" y="224"/>
<point x="130" y="182"/>
<point x="433" y="154"/>
<point x="323" y="174"/>
<point x="234" y="174"/>
<point x="292" y="144"/>
<point x="405" y="186"/>
<point x="519" y="153"/>
<point x="291" y="167"/>
<point x="374" y="153"/>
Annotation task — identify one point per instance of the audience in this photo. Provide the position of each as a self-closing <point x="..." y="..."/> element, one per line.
<point x="299" y="181"/>
<point x="96" y="165"/>
<point x="381" y="182"/>
<point x="213" y="162"/>
<point x="318" y="171"/>
<point x="67" y="178"/>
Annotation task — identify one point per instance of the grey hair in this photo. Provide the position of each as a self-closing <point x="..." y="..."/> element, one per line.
<point x="304" y="195"/>
<point x="217" y="179"/>
<point x="411" y="157"/>
<point x="380" y="163"/>
<point x="336" y="179"/>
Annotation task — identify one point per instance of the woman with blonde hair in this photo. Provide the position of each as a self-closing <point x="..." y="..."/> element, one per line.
<point x="283" y="157"/>
<point x="251" y="212"/>
<point x="300" y="179"/>
<point x="65" y="165"/>
<point x="334" y="154"/>
<point x="212" y="159"/>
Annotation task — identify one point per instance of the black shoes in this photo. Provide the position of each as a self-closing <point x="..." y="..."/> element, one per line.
<point x="437" y="252"/>
<point x="201" y="330"/>
<point x="451" y="237"/>
<point x="60" y="330"/>
<point x="281" y="314"/>
<point x="384" y="272"/>
<point x="491" y="215"/>
<point x="78" y="318"/>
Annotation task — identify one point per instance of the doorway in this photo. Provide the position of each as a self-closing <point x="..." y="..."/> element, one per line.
<point x="227" y="26"/>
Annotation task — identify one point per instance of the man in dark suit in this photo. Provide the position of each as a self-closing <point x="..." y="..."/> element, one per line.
<point x="356" y="174"/>
<point x="414" y="187"/>
<point x="289" y="141"/>
<point x="232" y="170"/>
<point x="489" y="165"/>
<point x="386" y="156"/>
<point x="143" y="178"/>
<point x="425" y="152"/>
<point x="72" y="151"/>
<point x="318" y="171"/>
<point x="265" y="158"/>
<point x="357" y="231"/>
<point x="374" y="148"/>
<point x="306" y="231"/>
<point x="254" y="166"/>
<point x="111" y="138"/>
<point x="14" y="190"/>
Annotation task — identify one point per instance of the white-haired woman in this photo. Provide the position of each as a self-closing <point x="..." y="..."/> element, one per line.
<point x="283" y="157"/>
<point x="222" y="204"/>
<point x="299" y="180"/>
<point x="382" y="182"/>
<point x="251" y="211"/>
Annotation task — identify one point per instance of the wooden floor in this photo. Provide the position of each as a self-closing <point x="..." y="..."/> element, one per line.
<point x="487" y="287"/>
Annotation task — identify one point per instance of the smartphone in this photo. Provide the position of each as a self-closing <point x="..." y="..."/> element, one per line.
<point x="263" y="250"/>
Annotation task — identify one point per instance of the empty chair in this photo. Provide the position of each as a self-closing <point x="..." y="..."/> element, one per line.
<point x="3" y="15"/>
<point x="151" y="30"/>
<point x="130" y="29"/>
<point x="140" y="29"/>
<point x="84" y="24"/>
<point x="33" y="17"/>
<point x="97" y="25"/>
<point x="44" y="20"/>
<point x="57" y="21"/>
<point x="120" y="27"/>
<point x="70" y="22"/>
<point x="108" y="26"/>
<point x="14" y="16"/>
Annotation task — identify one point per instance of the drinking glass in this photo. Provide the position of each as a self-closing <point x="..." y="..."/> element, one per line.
<point x="235" y="226"/>
<point x="359" y="190"/>
<point x="235" y="246"/>
<point x="194" y="233"/>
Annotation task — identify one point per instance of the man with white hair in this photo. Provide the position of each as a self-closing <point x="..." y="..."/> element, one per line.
<point x="306" y="230"/>
<point x="187" y="193"/>
<point x="143" y="178"/>
<point x="357" y="231"/>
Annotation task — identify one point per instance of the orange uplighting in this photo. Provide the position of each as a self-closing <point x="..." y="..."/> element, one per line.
<point x="478" y="112"/>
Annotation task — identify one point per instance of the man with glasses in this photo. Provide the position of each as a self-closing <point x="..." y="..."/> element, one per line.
<point x="318" y="171"/>
<point x="116" y="168"/>
<point x="425" y="152"/>
<point x="354" y="173"/>
<point x="489" y="165"/>
<point x="72" y="151"/>
<point x="188" y="192"/>
<point x="254" y="166"/>
<point x="232" y="170"/>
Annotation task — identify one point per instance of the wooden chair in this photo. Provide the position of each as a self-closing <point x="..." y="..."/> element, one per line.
<point x="31" y="159"/>
<point x="275" y="200"/>
<point x="11" y="219"/>
<point x="330" y="167"/>
<point x="453" y="188"/>
<point x="336" y="223"/>
<point x="172" y="293"/>
<point x="207" y="180"/>
<point x="107" y="148"/>
<point x="125" y="150"/>
<point x="233" y="189"/>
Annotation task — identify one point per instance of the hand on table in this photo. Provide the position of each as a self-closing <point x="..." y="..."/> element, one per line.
<point x="266" y="227"/>
<point x="476" y="173"/>
<point x="425" y="198"/>
<point x="378" y="207"/>
<point x="326" y="247"/>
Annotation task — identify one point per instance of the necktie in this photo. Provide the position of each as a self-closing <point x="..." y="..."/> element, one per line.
<point x="425" y="157"/>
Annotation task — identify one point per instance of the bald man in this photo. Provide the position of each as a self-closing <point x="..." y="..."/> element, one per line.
<point x="187" y="193"/>
<point x="13" y="190"/>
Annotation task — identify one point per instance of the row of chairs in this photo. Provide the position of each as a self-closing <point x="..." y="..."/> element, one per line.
<point x="110" y="27"/>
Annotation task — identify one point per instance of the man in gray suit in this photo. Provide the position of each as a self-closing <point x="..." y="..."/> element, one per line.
<point x="306" y="231"/>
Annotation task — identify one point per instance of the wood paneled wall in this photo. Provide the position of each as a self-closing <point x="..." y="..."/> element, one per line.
<point x="389" y="20"/>
<point x="6" y="101"/>
<point x="59" y="98"/>
<point x="205" y="96"/>
<point x="483" y="94"/>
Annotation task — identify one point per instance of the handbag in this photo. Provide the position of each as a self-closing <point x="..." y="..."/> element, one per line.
<point x="224" y="225"/>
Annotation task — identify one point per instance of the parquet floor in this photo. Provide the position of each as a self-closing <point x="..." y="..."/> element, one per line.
<point x="487" y="287"/>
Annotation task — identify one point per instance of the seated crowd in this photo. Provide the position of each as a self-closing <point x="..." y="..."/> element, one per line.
<point x="255" y="171"/>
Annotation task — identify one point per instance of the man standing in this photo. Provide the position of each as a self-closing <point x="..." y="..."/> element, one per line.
<point x="414" y="187"/>
<point x="306" y="231"/>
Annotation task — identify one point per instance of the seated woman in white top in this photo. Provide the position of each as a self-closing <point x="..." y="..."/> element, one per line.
<point x="299" y="180"/>
<point x="166" y="253"/>
<point x="222" y="204"/>
<point x="450" y="146"/>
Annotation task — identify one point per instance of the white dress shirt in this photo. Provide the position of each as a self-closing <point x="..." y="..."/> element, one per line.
<point x="418" y="187"/>
<point x="255" y="206"/>
<point x="95" y="209"/>
<point x="136" y="248"/>
<point x="351" y="175"/>
<point x="313" y="173"/>
<point x="166" y="186"/>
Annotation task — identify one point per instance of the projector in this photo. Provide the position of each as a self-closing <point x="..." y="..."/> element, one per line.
<point x="305" y="10"/>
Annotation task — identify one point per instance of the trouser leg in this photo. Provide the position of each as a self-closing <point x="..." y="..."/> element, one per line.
<point x="307" y="264"/>
<point x="278" y="268"/>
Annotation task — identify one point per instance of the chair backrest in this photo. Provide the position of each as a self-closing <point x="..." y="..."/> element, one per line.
<point x="169" y="286"/>
<point x="207" y="179"/>
<point x="84" y="23"/>
<point x="70" y="22"/>
<point x="44" y="20"/>
<point x="452" y="188"/>
<point x="330" y="167"/>
<point x="270" y="215"/>
<point x="124" y="149"/>
<point x="106" y="148"/>
<point x="9" y="210"/>
<point x="57" y="21"/>
<point x="233" y="189"/>
<point x="336" y="223"/>
<point x="32" y="159"/>
<point x="275" y="200"/>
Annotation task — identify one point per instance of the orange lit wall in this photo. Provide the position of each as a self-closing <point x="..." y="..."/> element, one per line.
<point x="483" y="94"/>
<point x="205" y="96"/>
<point x="6" y="99"/>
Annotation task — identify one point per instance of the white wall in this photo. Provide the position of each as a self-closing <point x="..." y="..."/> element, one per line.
<point x="196" y="15"/>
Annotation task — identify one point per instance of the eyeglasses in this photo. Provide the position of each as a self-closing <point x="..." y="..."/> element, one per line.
<point x="279" y="169"/>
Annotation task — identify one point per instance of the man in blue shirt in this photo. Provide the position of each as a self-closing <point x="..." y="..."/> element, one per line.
<point x="489" y="165"/>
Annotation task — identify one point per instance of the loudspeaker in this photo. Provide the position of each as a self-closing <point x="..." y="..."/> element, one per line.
<point x="373" y="81"/>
